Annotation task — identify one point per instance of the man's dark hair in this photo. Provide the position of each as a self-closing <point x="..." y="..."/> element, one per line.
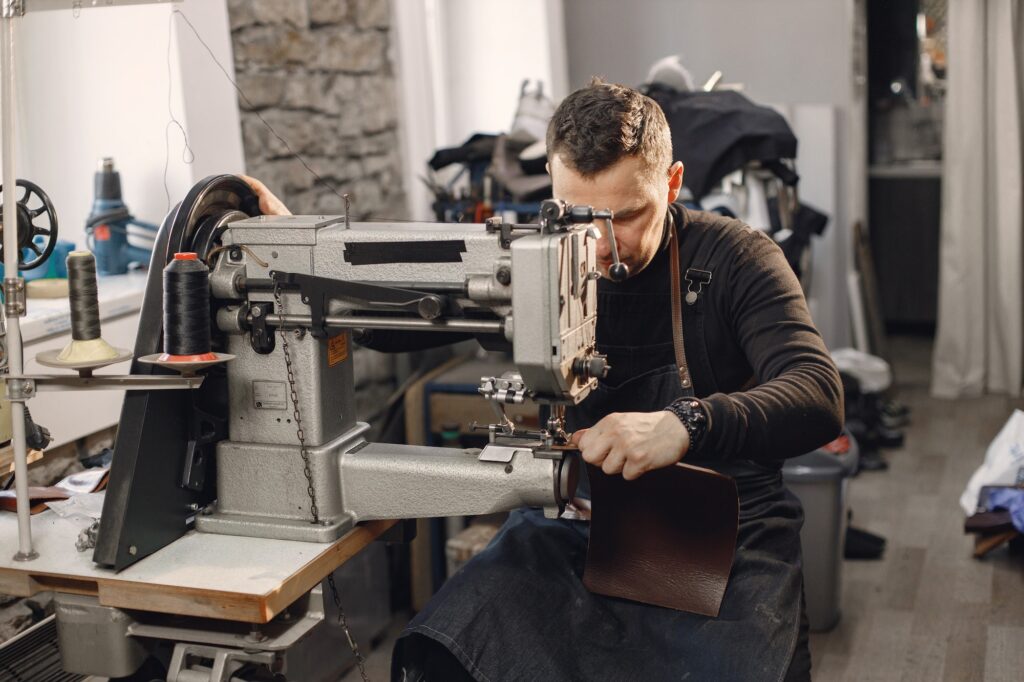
<point x="594" y="127"/>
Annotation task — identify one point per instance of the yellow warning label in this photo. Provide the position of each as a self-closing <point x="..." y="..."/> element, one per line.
<point x="337" y="349"/>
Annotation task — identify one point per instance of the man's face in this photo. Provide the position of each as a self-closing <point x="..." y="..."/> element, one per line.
<point x="638" y="197"/>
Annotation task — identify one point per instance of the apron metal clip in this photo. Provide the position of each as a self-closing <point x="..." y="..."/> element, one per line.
<point x="698" y="277"/>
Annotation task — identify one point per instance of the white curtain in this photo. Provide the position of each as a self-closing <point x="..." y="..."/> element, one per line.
<point x="979" y="347"/>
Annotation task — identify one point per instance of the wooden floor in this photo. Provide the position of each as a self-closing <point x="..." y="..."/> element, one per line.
<point x="927" y="611"/>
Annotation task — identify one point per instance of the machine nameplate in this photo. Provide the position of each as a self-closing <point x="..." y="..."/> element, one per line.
<point x="270" y="395"/>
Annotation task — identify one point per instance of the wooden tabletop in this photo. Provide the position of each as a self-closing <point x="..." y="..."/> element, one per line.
<point x="201" y="574"/>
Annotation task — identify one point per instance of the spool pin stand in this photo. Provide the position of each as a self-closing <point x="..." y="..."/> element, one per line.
<point x="19" y="387"/>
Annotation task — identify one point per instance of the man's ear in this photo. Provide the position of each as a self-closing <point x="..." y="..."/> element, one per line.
<point x="547" y="167"/>
<point x="675" y="181"/>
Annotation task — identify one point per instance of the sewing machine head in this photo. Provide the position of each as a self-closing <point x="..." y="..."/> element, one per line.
<point x="529" y="287"/>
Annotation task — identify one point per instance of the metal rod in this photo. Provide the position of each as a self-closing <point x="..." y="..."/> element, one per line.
<point x="396" y="323"/>
<point x="112" y="382"/>
<point x="255" y="284"/>
<point x="47" y="5"/>
<point x="14" y="351"/>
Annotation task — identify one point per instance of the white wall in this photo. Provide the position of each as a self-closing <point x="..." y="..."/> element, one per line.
<point x="460" y="64"/>
<point x="488" y="48"/>
<point x="97" y="85"/>
<point x="785" y="53"/>
<point x="782" y="50"/>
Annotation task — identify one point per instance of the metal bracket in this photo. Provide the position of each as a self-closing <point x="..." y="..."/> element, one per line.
<point x="20" y="390"/>
<point x="13" y="8"/>
<point x="261" y="336"/>
<point x="508" y="388"/>
<point x="74" y="382"/>
<point x="205" y="429"/>
<point x="318" y="292"/>
<point x="496" y="224"/>
<point x="505" y="230"/>
<point x="14" y="296"/>
<point x="75" y="5"/>
<point x="225" y="662"/>
<point x="502" y="454"/>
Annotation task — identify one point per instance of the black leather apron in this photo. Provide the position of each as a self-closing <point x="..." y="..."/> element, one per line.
<point x="519" y="610"/>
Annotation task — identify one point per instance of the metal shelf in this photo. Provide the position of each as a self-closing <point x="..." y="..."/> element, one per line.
<point x="20" y="7"/>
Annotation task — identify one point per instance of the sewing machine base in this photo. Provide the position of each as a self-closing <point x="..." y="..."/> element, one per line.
<point x="111" y="642"/>
<point x="263" y="492"/>
<point x="255" y="526"/>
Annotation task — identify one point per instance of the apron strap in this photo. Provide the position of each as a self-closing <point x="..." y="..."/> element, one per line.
<point x="685" y="379"/>
<point x="677" y="313"/>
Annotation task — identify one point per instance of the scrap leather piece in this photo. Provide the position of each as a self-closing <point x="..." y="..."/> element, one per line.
<point x="667" y="538"/>
<point x="38" y="497"/>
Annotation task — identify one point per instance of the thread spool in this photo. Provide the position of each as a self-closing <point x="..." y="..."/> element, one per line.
<point x="86" y="343"/>
<point x="187" y="310"/>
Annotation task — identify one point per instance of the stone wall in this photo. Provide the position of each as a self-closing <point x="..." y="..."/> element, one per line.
<point x="320" y="73"/>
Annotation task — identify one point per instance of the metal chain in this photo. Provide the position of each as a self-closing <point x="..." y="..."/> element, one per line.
<point x="308" y="472"/>
<point x="299" y="432"/>
<point x="360" y="661"/>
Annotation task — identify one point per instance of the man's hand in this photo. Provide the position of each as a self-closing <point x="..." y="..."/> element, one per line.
<point x="633" y="443"/>
<point x="269" y="204"/>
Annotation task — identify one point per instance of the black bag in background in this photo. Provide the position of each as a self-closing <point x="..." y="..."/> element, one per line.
<point x="715" y="133"/>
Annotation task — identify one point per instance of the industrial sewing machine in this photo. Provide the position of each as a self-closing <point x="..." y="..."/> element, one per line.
<point x="268" y="446"/>
<point x="276" y="422"/>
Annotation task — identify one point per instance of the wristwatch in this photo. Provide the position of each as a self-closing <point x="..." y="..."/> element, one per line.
<point x="693" y="416"/>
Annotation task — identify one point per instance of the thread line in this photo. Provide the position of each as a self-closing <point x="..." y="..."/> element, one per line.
<point x="241" y="94"/>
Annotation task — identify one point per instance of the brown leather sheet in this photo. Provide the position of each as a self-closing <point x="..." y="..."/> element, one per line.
<point x="667" y="538"/>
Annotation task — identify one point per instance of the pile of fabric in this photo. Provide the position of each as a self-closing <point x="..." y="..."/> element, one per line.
<point x="994" y="497"/>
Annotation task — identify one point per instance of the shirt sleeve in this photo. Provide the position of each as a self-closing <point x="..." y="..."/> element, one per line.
<point x="797" y="403"/>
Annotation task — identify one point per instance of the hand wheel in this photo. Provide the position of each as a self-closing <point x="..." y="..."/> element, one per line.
<point x="28" y="230"/>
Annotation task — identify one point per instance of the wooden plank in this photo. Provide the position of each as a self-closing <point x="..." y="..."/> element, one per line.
<point x="318" y="569"/>
<point x="1004" y="655"/>
<point x="904" y="574"/>
<point x="869" y="290"/>
<point x="966" y="644"/>
<point x="193" y="602"/>
<point x="421" y="587"/>
<point x="415" y="426"/>
<point x="7" y="459"/>
<point x="201" y="574"/>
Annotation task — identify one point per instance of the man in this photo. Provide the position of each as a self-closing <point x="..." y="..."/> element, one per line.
<point x="519" y="611"/>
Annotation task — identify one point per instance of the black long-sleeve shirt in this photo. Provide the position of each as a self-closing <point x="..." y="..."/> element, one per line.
<point x="755" y="326"/>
